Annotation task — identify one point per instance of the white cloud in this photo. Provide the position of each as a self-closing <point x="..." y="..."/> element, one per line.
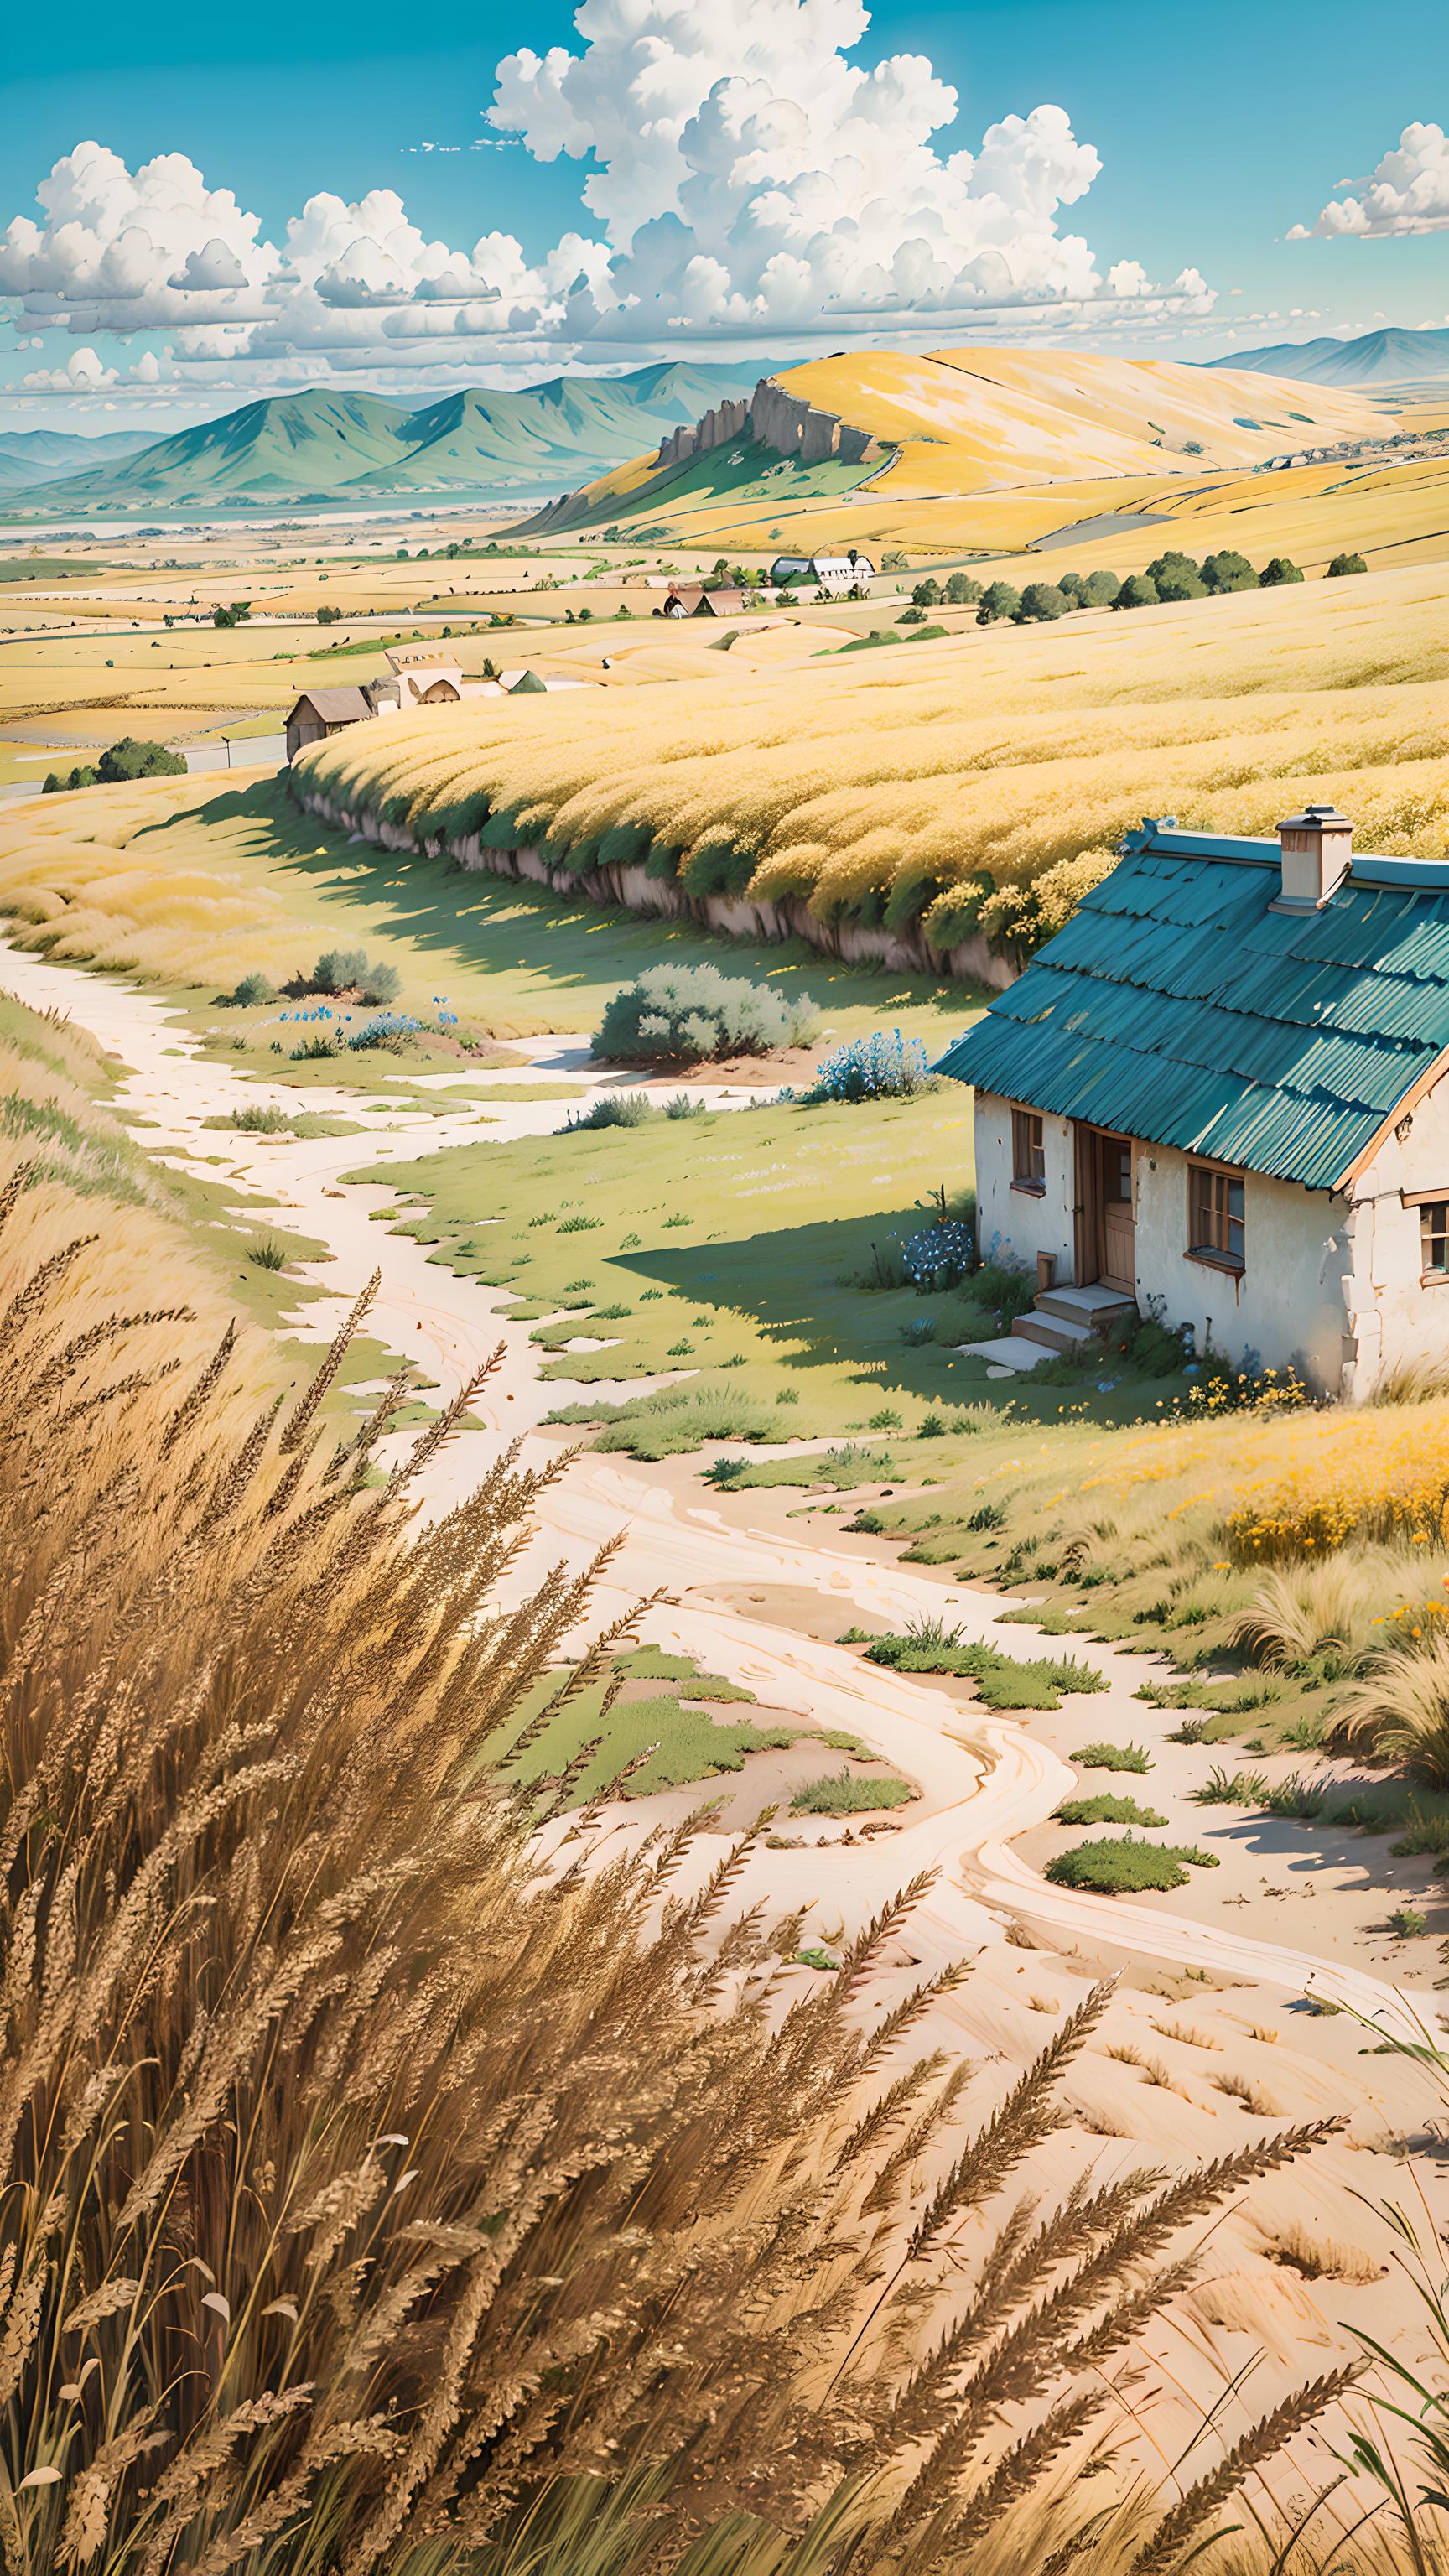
<point x="1407" y="193"/>
<point x="749" y="184"/>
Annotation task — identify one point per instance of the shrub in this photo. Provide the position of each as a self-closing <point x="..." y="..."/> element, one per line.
<point x="270" y="1255"/>
<point x="1127" y="1867"/>
<point x="261" y="1121"/>
<point x="843" y="1794"/>
<point x="1113" y="1757"/>
<point x="884" y="1066"/>
<point x="1278" y="570"/>
<point x="687" y="1014"/>
<point x="1232" y="1789"/>
<point x="1342" y="564"/>
<point x="1229" y="571"/>
<point x="1402" y="1709"/>
<point x="684" y="1104"/>
<point x="999" y="599"/>
<point x="1406" y="1922"/>
<point x="252" y="989"/>
<point x="388" y="1029"/>
<point x="1041" y="601"/>
<point x="128" y="759"/>
<point x="379" y="984"/>
<point x="1004" y="1681"/>
<point x="615" y="1109"/>
<point x="315" y="1050"/>
<point x="81" y="776"/>
<point x="1106" y="1809"/>
<point x="939" y="1257"/>
<point x="1137" y="591"/>
<point x="338" y="970"/>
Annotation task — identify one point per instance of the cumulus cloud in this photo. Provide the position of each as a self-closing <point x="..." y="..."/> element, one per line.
<point x="1407" y="193"/>
<point x="747" y="183"/>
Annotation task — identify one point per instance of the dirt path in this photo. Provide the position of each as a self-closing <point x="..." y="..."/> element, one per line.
<point x="984" y="1780"/>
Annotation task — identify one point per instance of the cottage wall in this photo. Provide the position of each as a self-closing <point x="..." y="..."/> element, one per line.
<point x="1288" y="1305"/>
<point x="1395" y="1321"/>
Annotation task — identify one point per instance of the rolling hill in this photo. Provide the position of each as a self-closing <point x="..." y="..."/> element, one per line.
<point x="32" y="456"/>
<point x="1389" y="357"/>
<point x="300" y="446"/>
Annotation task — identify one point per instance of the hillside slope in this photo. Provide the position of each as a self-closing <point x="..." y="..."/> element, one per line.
<point x="32" y="456"/>
<point x="296" y="445"/>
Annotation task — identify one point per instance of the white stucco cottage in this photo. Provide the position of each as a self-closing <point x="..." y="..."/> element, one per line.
<point x="1224" y="1087"/>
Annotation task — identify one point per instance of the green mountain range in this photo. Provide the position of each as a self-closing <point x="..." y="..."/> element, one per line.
<point x="306" y="446"/>
<point x="1388" y="357"/>
<point x="31" y="456"/>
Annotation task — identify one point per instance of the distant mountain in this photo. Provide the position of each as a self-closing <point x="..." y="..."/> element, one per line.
<point x="303" y="446"/>
<point x="32" y="456"/>
<point x="1390" y="357"/>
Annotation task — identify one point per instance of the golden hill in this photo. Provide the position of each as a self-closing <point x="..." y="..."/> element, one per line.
<point x="942" y="791"/>
<point x="986" y="450"/>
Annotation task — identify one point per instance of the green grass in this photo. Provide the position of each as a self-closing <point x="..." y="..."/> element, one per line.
<point x="1105" y="1809"/>
<point x="1126" y="1867"/>
<point x="284" y="1122"/>
<point x="520" y="957"/>
<point x="1003" y="1680"/>
<point x="1113" y="1757"/>
<point x="738" y="1234"/>
<point x="654" y="1722"/>
<point x="841" y="1793"/>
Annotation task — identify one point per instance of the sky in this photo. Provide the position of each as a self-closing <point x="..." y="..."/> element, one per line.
<point x="198" y="207"/>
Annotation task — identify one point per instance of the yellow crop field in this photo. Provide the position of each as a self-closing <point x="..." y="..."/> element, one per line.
<point x="936" y="785"/>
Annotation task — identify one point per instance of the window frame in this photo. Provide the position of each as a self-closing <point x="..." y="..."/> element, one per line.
<point x="1424" y="1207"/>
<point x="1213" y="1255"/>
<point x="1028" y="1152"/>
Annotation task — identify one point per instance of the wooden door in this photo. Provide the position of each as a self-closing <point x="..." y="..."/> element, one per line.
<point x="1119" y="1252"/>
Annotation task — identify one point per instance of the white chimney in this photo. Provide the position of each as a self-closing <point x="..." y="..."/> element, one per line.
<point x="1317" y="847"/>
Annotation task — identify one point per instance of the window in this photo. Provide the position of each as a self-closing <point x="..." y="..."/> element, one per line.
<point x="1028" y="1151"/>
<point x="1434" y="1239"/>
<point x="1215" y="1215"/>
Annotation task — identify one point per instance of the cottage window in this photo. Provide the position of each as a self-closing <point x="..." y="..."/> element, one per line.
<point x="1215" y="1215"/>
<point x="1028" y="1151"/>
<point x="1434" y="1239"/>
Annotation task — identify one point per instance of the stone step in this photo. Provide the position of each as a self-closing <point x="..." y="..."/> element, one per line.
<point x="1009" y="1351"/>
<point x="1055" y="1332"/>
<point x="1093" y="1306"/>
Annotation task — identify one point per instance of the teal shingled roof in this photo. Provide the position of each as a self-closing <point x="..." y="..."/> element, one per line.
<point x="1178" y="1007"/>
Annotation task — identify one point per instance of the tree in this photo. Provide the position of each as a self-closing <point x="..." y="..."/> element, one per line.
<point x="1102" y="589"/>
<point x="1278" y="570"/>
<point x="961" y="590"/>
<point x="55" y="785"/>
<point x="329" y="616"/>
<point x="1137" y="591"/>
<point x="1041" y="601"/>
<point x="997" y="600"/>
<point x="1166" y="566"/>
<point x="236" y="614"/>
<point x="1342" y="564"/>
<point x="894" y="561"/>
<point x="1180" y="581"/>
<point x="1229" y="571"/>
<point x="1073" y="588"/>
<point x="927" y="594"/>
<point x="131" y="759"/>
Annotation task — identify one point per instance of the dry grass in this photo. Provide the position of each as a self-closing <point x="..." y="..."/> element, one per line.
<point x="1318" y="2257"/>
<point x="70" y="880"/>
<point x="1401" y="1709"/>
<point x="376" y="2166"/>
<point x="868" y="793"/>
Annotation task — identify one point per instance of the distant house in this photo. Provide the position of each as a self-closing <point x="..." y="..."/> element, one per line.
<point x="414" y="679"/>
<point x="691" y="599"/>
<point x="1222" y="1092"/>
<point x="839" y="574"/>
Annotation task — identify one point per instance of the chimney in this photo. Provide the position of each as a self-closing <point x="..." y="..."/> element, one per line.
<point x="1317" y="846"/>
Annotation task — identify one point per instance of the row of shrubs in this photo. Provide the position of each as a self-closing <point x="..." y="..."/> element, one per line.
<point x="337" y="971"/>
<point x="123" y="761"/>
<point x="1170" y="576"/>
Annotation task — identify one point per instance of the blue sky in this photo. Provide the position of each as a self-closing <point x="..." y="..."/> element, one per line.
<point x="1117" y="176"/>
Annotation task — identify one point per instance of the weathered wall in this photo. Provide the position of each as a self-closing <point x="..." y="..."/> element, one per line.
<point x="1396" y="1320"/>
<point x="1288" y="1305"/>
<point x="902" y="951"/>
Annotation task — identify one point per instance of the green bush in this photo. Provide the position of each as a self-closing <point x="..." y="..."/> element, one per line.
<point x="684" y="1104"/>
<point x="928" y="1646"/>
<point x="842" y="1794"/>
<point x="129" y="759"/>
<point x="1136" y="592"/>
<point x="1127" y="1867"/>
<point x="55" y="785"/>
<point x="616" y="1109"/>
<point x="1113" y="1757"/>
<point x="689" y="1014"/>
<point x="1041" y="601"/>
<point x="1278" y="570"/>
<point x="1105" y="1809"/>
<point x="1342" y="564"/>
<point x="1229" y="571"/>
<point x="253" y="989"/>
<point x="346" y="970"/>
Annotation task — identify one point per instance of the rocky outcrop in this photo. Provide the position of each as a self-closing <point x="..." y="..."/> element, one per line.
<point x="738" y="916"/>
<point x="793" y="427"/>
<point x="777" y="419"/>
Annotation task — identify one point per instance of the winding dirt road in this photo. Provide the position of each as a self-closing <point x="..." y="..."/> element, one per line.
<point x="984" y="1780"/>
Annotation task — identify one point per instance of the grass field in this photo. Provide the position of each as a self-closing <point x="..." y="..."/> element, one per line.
<point x="193" y="885"/>
<point x="932" y="787"/>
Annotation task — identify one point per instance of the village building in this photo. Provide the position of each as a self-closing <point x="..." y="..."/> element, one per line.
<point x="838" y="574"/>
<point x="692" y="599"/>
<point x="1221" y="1095"/>
<point x="414" y="680"/>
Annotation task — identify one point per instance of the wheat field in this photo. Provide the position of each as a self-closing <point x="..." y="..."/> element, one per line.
<point x="910" y="787"/>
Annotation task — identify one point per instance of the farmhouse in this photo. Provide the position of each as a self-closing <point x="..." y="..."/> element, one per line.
<point x="837" y="574"/>
<point x="1222" y="1093"/>
<point x="414" y="680"/>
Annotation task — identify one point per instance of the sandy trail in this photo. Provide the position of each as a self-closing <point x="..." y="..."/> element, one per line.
<point x="984" y="1780"/>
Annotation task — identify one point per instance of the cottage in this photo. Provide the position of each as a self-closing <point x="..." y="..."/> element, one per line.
<point x="838" y="574"/>
<point x="1223" y="1090"/>
<point x="413" y="680"/>
<point x="319" y="712"/>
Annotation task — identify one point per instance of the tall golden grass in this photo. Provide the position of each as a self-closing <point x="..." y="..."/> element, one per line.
<point x="385" y="2166"/>
<point x="912" y="787"/>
